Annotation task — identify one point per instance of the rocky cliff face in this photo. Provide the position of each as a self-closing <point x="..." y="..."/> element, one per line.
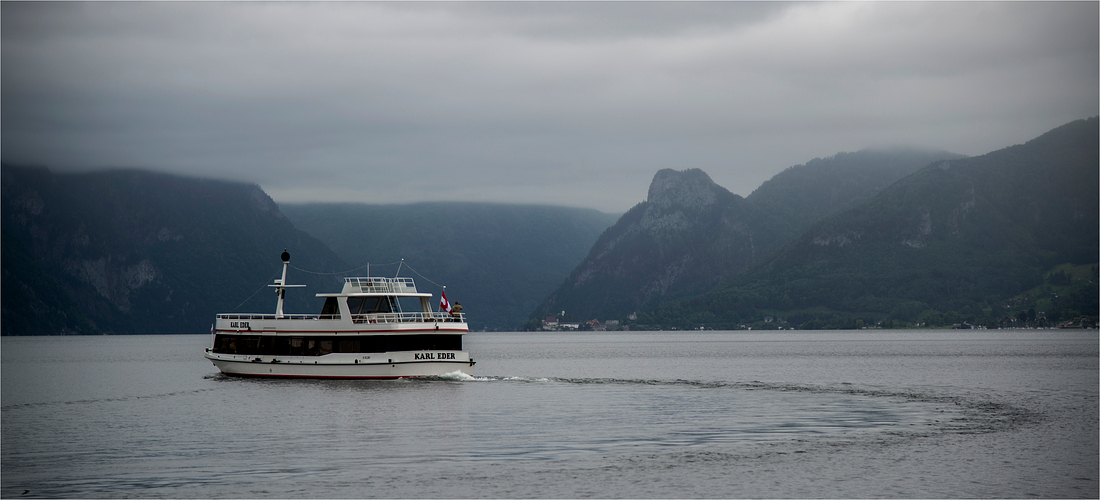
<point x="137" y="252"/>
<point x="688" y="190"/>
<point x="969" y="240"/>
<point x="689" y="234"/>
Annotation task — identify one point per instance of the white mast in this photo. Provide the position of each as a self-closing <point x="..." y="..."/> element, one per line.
<point x="281" y="286"/>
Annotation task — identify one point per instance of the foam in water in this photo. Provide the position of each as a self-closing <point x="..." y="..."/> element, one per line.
<point x="459" y="376"/>
<point x="526" y="379"/>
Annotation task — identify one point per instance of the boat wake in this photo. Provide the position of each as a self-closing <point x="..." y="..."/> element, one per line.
<point x="134" y="397"/>
<point x="969" y="414"/>
<point x="458" y="376"/>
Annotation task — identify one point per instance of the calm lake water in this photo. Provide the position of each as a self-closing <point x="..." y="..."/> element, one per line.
<point x="1004" y="413"/>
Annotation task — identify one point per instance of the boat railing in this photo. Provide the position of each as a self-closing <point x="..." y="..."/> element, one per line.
<point x="357" y="318"/>
<point x="273" y="316"/>
<point x="382" y="285"/>
<point x="406" y="317"/>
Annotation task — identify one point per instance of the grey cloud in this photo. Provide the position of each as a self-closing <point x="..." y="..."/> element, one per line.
<point x="565" y="103"/>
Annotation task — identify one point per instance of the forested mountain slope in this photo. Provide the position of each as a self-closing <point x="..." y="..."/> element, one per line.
<point x="691" y="233"/>
<point x="804" y="194"/>
<point x="126" y="252"/>
<point x="957" y="242"/>
<point x="498" y="260"/>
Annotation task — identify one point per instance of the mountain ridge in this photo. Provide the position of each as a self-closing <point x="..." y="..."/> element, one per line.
<point x="691" y="233"/>
<point x="131" y="251"/>
<point x="947" y="244"/>
<point x="499" y="260"/>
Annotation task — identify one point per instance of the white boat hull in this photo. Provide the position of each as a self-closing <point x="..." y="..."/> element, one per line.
<point x="361" y="332"/>
<point x="386" y="365"/>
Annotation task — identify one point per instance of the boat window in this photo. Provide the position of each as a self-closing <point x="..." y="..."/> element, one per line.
<point x="225" y="344"/>
<point x="370" y="304"/>
<point x="410" y="304"/>
<point x="275" y="346"/>
<point x="269" y="345"/>
<point x="237" y="344"/>
<point x="330" y="308"/>
<point x="349" y="346"/>
<point x="285" y="349"/>
<point x="355" y="304"/>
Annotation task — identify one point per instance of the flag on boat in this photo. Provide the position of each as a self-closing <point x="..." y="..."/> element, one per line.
<point x="443" y="304"/>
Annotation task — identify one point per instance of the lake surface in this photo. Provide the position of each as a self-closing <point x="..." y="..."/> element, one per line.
<point x="945" y="414"/>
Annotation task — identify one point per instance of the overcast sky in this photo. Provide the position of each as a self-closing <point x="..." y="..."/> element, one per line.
<point x="562" y="103"/>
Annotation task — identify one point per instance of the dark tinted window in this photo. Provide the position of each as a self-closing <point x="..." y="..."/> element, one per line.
<point x="269" y="345"/>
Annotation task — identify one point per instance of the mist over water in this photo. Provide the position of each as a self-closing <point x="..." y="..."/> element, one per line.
<point x="632" y="414"/>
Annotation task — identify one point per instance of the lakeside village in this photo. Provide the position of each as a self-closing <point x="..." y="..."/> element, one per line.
<point x="1035" y="321"/>
<point x="551" y="323"/>
<point x="556" y="323"/>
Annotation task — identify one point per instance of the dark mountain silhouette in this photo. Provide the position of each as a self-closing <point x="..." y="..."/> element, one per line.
<point x="498" y="260"/>
<point x="691" y="233"/>
<point x="960" y="241"/>
<point x="139" y="252"/>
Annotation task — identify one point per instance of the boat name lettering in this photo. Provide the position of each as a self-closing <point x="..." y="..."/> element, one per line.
<point x="238" y="324"/>
<point x="433" y="355"/>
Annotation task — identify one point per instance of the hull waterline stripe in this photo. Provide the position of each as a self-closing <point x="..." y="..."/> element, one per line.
<point x="332" y="332"/>
<point x="344" y="377"/>
<point x="288" y="363"/>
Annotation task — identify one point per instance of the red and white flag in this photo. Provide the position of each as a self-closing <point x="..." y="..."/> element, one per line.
<point x="443" y="304"/>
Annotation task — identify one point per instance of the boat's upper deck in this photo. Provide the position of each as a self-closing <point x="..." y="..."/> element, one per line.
<point x="402" y="287"/>
<point x="355" y="301"/>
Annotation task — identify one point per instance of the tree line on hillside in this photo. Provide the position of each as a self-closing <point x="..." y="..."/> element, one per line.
<point x="690" y="233"/>
<point x="130" y="252"/>
<point x="499" y="260"/>
<point x="1005" y="239"/>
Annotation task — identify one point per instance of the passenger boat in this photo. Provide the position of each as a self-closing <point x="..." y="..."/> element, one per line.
<point x="361" y="332"/>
